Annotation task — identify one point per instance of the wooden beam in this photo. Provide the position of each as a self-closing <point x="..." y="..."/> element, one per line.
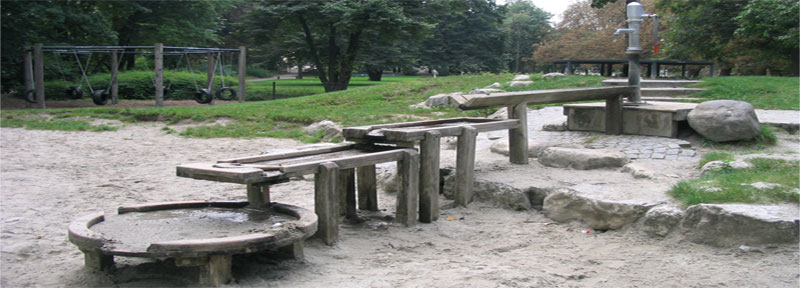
<point x="465" y="164"/>
<point x="367" y="188"/>
<point x="518" y="137"/>
<point x="480" y="101"/>
<point x="429" y="177"/>
<point x="158" y="53"/>
<point x="325" y="202"/>
<point x="285" y="155"/>
<point x="38" y="74"/>
<point x="242" y="73"/>
<point x="408" y="190"/>
<point x="346" y="193"/>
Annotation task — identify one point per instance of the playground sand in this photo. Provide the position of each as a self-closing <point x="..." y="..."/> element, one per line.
<point x="50" y="178"/>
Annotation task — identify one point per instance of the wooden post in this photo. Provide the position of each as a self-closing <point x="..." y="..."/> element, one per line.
<point x="367" y="189"/>
<point x="613" y="115"/>
<point x="408" y="190"/>
<point x="114" y="77"/>
<point x="429" y="177"/>
<point x="38" y="73"/>
<point x="325" y="202"/>
<point x="94" y="259"/>
<point x="465" y="164"/>
<point x="216" y="271"/>
<point x="518" y="137"/>
<point x="210" y="73"/>
<point x="158" y="53"/>
<point x="346" y="193"/>
<point x="28" y="70"/>
<point x="258" y="195"/>
<point x="242" y="73"/>
<point x="294" y="250"/>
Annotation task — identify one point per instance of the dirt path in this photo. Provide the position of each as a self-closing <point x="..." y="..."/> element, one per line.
<point x="49" y="178"/>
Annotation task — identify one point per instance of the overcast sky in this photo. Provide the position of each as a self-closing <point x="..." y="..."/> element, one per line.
<point x="555" y="7"/>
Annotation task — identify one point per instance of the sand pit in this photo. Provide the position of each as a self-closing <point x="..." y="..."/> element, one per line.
<point x="50" y="178"/>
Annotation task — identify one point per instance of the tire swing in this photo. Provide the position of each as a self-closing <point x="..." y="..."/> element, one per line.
<point x="30" y="96"/>
<point x="202" y="96"/>
<point x="99" y="97"/>
<point x="231" y="94"/>
<point x="73" y="92"/>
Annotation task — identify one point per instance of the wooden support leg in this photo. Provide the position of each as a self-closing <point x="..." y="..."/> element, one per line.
<point x="294" y="250"/>
<point x="346" y="193"/>
<point x="518" y="137"/>
<point x="325" y="202"/>
<point x="613" y="115"/>
<point x="408" y="192"/>
<point x="94" y="259"/>
<point x="367" y="189"/>
<point x="429" y="177"/>
<point x="465" y="164"/>
<point x="258" y="195"/>
<point x="217" y="271"/>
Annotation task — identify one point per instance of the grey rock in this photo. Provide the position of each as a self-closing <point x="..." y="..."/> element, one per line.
<point x="521" y="77"/>
<point x="553" y="75"/>
<point x="494" y="85"/>
<point x="534" y="146"/>
<point x="731" y="225"/>
<point x="555" y="127"/>
<point x="485" y="91"/>
<point x="582" y="159"/>
<point x="328" y="128"/>
<point x="386" y="178"/>
<point x="725" y="120"/>
<point x="537" y="196"/>
<point x="566" y="204"/>
<point x="720" y="165"/>
<point x="661" y="220"/>
<point x="764" y="186"/>
<point x="638" y="171"/>
<point x="439" y="100"/>
<point x="498" y="194"/>
<point x="520" y="83"/>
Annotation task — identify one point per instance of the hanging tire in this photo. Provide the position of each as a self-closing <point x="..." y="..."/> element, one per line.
<point x="221" y="93"/>
<point x="100" y="97"/>
<point x="203" y="96"/>
<point x="75" y="92"/>
<point x="30" y="96"/>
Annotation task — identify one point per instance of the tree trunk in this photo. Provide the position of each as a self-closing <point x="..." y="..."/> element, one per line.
<point x="795" y="62"/>
<point x="374" y="73"/>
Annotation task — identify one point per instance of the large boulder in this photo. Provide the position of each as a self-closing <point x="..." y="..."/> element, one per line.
<point x="725" y="120"/>
<point x="566" y="204"/>
<point x="731" y="225"/>
<point x="582" y="159"/>
<point x="328" y="128"/>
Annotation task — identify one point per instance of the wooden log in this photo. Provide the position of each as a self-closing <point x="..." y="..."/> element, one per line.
<point x="94" y="259"/>
<point x="325" y="202"/>
<point x="518" y="137"/>
<point x="613" y="115"/>
<point x="38" y="74"/>
<point x="429" y="177"/>
<point x="242" y="73"/>
<point x="258" y="195"/>
<point x="158" y="53"/>
<point x="114" y="77"/>
<point x="346" y="193"/>
<point x="465" y="164"/>
<point x="480" y="101"/>
<point x="408" y="189"/>
<point x="216" y="271"/>
<point x="367" y="188"/>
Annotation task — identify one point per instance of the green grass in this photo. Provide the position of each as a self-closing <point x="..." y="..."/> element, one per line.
<point x="763" y="92"/>
<point x="766" y="139"/>
<point x="715" y="156"/>
<point x="733" y="186"/>
<point x="288" y="88"/>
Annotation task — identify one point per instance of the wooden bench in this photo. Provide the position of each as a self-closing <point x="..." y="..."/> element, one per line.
<point x="428" y="133"/>
<point x="334" y="170"/>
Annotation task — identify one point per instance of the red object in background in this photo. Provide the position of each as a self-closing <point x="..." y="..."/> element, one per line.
<point x="655" y="48"/>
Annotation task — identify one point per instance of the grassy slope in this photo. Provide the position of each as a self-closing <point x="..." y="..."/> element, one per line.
<point x="782" y="93"/>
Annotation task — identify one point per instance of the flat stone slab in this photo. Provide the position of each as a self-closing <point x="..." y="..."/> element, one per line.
<point x="582" y="159"/>
<point x="732" y="225"/>
<point x="786" y="119"/>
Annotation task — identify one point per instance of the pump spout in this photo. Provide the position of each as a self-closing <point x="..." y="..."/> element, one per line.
<point x="624" y="30"/>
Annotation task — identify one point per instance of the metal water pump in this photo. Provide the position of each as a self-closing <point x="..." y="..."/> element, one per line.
<point x="635" y="17"/>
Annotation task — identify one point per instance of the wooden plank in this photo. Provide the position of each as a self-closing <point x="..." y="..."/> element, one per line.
<point x="360" y="132"/>
<point x="465" y="164"/>
<point x="207" y="171"/>
<point x="408" y="190"/>
<point x="346" y="193"/>
<point x="518" y="137"/>
<point x="303" y="151"/>
<point x="242" y="73"/>
<point x="258" y="195"/>
<point x="479" y="101"/>
<point x="446" y="131"/>
<point x="429" y="177"/>
<point x="38" y="74"/>
<point x="325" y="202"/>
<point x="613" y="115"/>
<point x="158" y="54"/>
<point x="347" y="162"/>
<point x="367" y="188"/>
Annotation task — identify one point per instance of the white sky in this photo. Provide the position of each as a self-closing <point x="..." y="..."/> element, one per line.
<point x="555" y="7"/>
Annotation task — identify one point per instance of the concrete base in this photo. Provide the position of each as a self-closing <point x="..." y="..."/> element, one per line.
<point x="653" y="119"/>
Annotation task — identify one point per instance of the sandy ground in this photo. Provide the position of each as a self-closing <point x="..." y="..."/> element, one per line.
<point x="50" y="178"/>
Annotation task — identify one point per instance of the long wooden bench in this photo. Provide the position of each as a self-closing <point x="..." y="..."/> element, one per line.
<point x="334" y="170"/>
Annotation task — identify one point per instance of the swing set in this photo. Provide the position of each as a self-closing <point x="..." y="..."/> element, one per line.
<point x="34" y="71"/>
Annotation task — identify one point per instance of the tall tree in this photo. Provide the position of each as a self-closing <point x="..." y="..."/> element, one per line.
<point x="772" y="26"/>
<point x="333" y="32"/>
<point x="468" y="37"/>
<point x="525" y="25"/>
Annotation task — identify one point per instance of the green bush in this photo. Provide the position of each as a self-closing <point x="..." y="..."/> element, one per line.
<point x="138" y="85"/>
<point x="259" y="72"/>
